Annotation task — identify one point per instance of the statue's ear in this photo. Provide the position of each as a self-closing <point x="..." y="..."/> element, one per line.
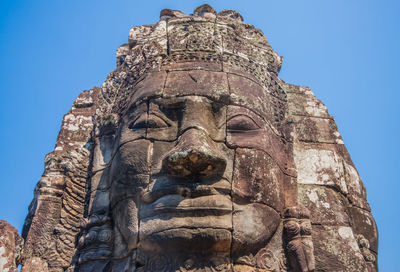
<point x="96" y="240"/>
<point x="96" y="237"/>
<point x="105" y="138"/>
<point x="98" y="189"/>
<point x="299" y="247"/>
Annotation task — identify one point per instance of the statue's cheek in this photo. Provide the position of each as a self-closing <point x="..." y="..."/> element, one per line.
<point x="257" y="178"/>
<point x="132" y="158"/>
<point x="126" y="226"/>
<point x="253" y="225"/>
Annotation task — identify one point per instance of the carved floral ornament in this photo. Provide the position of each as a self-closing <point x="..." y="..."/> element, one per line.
<point x="187" y="160"/>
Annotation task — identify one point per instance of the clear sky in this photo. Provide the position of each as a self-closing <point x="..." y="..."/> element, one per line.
<point x="348" y="52"/>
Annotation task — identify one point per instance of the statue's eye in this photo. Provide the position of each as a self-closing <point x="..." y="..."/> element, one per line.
<point x="241" y="123"/>
<point x="156" y="122"/>
<point x="153" y="121"/>
<point x="139" y="123"/>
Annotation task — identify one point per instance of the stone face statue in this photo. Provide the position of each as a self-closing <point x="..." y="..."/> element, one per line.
<point x="194" y="156"/>
<point x="190" y="192"/>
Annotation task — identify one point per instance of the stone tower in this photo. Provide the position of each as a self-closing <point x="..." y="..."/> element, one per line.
<point x="194" y="156"/>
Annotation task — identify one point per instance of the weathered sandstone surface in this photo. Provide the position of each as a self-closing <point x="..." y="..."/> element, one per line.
<point x="194" y="155"/>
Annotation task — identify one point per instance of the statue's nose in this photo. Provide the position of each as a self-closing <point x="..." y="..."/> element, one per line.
<point x="195" y="155"/>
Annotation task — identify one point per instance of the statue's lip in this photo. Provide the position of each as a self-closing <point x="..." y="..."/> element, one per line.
<point x="185" y="191"/>
<point x="190" y="206"/>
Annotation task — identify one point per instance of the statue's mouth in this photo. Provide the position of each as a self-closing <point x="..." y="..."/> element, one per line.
<point x="199" y="206"/>
<point x="189" y="199"/>
<point x="185" y="190"/>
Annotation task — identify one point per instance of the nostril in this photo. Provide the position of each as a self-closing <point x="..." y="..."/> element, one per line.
<point x="185" y="192"/>
<point x="208" y="170"/>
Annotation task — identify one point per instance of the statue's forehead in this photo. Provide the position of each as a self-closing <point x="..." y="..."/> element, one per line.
<point x="166" y="84"/>
<point x="222" y="87"/>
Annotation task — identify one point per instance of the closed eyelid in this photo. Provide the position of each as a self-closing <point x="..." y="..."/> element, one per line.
<point x="136" y="112"/>
<point x="157" y="120"/>
<point x="241" y="122"/>
<point x="140" y="119"/>
<point x="154" y="121"/>
<point x="243" y="116"/>
<point x="161" y="116"/>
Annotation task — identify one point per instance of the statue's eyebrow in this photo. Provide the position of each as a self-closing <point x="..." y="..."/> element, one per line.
<point x="168" y="102"/>
<point x="135" y="106"/>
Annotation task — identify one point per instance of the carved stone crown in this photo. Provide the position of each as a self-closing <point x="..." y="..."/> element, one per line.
<point x="203" y="40"/>
<point x="223" y="36"/>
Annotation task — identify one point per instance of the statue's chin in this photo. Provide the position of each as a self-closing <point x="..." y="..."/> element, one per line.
<point x="183" y="240"/>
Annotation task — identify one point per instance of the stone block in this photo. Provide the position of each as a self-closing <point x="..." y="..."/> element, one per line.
<point x="150" y="86"/>
<point x="306" y="105"/>
<point x="259" y="101"/>
<point x="327" y="206"/>
<point x="204" y="83"/>
<point x="132" y="158"/>
<point x="336" y="249"/>
<point x="363" y="223"/>
<point x="261" y="181"/>
<point x="319" y="165"/>
<point x="316" y="130"/>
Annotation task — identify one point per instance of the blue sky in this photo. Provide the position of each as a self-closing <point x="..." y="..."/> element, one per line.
<point x="346" y="51"/>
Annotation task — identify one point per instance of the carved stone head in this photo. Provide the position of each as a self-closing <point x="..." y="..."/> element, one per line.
<point x="194" y="155"/>
<point x="200" y="168"/>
